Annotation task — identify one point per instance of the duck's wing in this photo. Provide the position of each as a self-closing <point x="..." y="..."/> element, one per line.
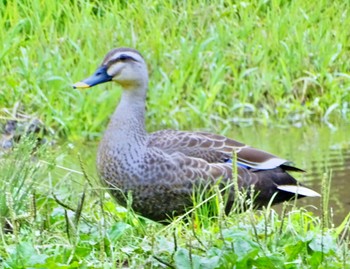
<point x="186" y="159"/>
<point x="184" y="172"/>
<point x="216" y="149"/>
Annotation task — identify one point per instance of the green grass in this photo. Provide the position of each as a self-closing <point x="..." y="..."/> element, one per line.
<point x="212" y="65"/>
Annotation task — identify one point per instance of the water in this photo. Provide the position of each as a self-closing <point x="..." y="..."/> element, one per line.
<point x="323" y="153"/>
<point x="320" y="151"/>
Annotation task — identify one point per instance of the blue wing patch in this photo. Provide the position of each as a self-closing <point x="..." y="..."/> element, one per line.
<point x="238" y="164"/>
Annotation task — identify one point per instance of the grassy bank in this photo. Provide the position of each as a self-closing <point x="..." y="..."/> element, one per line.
<point x="210" y="63"/>
<point x="57" y="217"/>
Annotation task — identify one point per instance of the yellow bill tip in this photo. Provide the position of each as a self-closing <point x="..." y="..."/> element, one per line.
<point x="80" y="85"/>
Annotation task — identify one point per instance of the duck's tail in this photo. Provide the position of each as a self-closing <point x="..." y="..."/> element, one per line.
<point x="298" y="190"/>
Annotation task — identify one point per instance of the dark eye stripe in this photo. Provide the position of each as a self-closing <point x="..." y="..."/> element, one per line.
<point x="121" y="58"/>
<point x="124" y="57"/>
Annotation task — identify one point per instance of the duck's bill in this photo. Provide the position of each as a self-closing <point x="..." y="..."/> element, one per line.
<point x="100" y="76"/>
<point x="81" y="85"/>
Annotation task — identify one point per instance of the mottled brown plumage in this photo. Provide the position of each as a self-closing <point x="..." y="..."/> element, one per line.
<point x="162" y="169"/>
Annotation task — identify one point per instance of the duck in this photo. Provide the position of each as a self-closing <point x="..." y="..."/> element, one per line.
<point x="161" y="170"/>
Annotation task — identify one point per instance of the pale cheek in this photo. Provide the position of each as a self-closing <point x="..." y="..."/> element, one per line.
<point x="125" y="74"/>
<point x="114" y="70"/>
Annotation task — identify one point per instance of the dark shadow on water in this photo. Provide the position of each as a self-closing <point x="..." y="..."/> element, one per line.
<point x="337" y="169"/>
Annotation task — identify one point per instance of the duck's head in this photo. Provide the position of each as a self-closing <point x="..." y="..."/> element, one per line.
<point x="125" y="66"/>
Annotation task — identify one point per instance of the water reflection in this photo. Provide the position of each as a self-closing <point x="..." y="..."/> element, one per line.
<point x="336" y="167"/>
<point x="323" y="153"/>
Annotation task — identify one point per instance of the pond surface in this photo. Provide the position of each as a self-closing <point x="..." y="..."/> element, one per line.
<point x="323" y="153"/>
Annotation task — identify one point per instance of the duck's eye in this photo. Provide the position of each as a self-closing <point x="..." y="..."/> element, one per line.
<point x="124" y="57"/>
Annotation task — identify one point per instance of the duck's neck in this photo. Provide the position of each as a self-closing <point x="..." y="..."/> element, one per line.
<point x="127" y="125"/>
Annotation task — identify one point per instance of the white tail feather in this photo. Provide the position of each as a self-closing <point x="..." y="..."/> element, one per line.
<point x="299" y="190"/>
